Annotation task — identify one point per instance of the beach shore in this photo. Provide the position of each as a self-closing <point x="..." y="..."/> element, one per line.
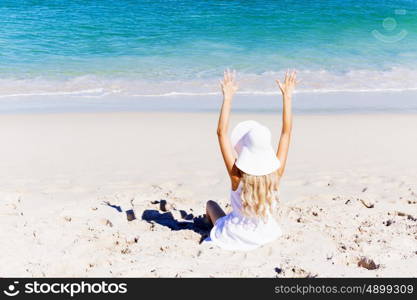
<point x="69" y="182"/>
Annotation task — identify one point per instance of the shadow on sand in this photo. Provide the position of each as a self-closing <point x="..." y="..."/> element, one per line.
<point x="198" y="224"/>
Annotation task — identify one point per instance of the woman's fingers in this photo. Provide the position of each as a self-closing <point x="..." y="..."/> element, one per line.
<point x="229" y="75"/>
<point x="229" y="80"/>
<point x="292" y="77"/>
<point x="279" y="84"/>
<point x="232" y="74"/>
<point x="290" y="80"/>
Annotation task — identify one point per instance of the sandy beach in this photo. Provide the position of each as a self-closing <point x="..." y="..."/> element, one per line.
<point x="67" y="181"/>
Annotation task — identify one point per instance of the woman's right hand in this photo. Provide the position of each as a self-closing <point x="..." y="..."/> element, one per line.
<point x="228" y="84"/>
<point x="290" y="81"/>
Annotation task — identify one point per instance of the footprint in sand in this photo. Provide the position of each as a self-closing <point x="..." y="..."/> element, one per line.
<point x="367" y="263"/>
<point x="106" y="222"/>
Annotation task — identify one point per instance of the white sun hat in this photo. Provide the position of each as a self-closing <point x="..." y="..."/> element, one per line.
<point x="252" y="142"/>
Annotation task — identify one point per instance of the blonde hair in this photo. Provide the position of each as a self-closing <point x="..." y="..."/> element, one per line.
<point x="259" y="194"/>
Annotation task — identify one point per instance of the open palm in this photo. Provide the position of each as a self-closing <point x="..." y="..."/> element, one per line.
<point x="228" y="84"/>
<point x="290" y="81"/>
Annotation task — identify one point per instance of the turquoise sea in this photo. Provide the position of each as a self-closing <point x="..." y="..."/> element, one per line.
<point x="128" y="49"/>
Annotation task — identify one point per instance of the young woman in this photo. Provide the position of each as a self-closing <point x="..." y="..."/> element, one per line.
<point x="254" y="174"/>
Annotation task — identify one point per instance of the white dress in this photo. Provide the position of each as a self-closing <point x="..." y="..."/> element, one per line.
<point x="237" y="232"/>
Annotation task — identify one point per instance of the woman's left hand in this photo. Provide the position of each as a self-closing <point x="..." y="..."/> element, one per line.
<point x="228" y="84"/>
<point x="290" y="81"/>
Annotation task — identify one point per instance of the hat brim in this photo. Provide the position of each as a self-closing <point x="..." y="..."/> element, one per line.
<point x="257" y="163"/>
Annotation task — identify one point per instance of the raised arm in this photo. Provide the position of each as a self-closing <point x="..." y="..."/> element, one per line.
<point x="286" y="88"/>
<point x="229" y="88"/>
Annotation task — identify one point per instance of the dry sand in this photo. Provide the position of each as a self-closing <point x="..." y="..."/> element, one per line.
<point x="67" y="180"/>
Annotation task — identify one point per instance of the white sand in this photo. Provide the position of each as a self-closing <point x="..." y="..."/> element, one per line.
<point x="57" y="171"/>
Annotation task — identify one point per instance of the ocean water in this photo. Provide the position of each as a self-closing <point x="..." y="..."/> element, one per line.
<point x="132" y="49"/>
